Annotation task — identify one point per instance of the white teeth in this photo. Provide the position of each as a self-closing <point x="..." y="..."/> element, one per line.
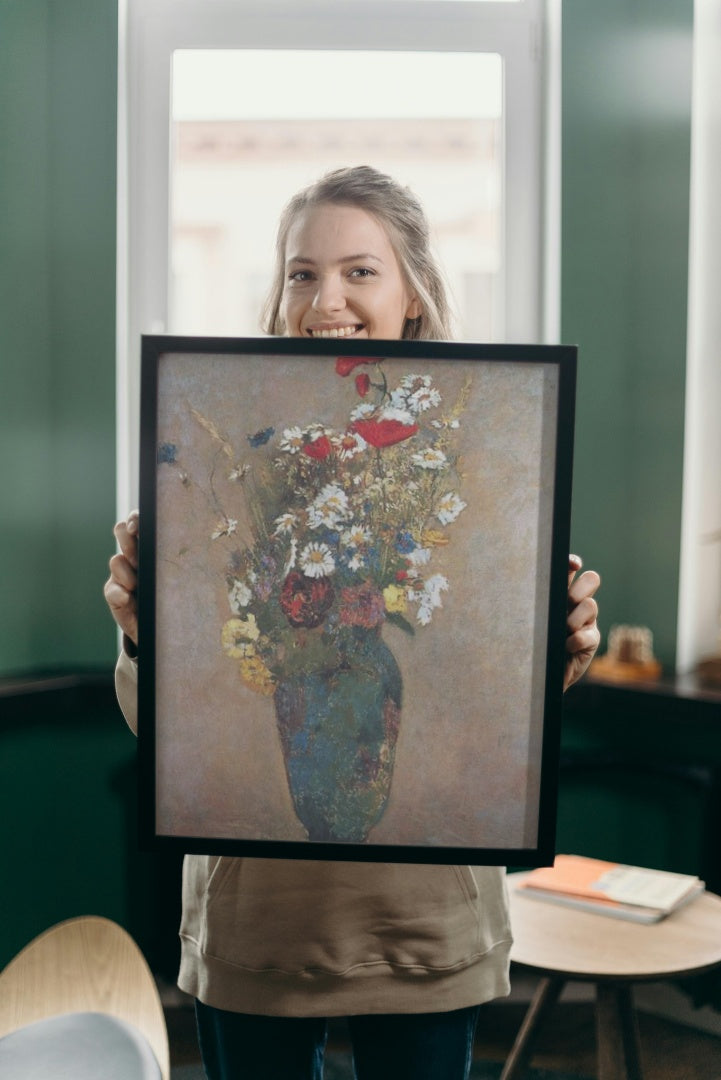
<point x="335" y="332"/>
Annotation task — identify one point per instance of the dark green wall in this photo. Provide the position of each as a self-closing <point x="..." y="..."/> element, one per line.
<point x="69" y="808"/>
<point x="626" y="146"/>
<point x="58" y="73"/>
<point x="66" y="758"/>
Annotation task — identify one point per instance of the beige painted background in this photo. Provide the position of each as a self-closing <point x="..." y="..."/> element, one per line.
<point x="468" y="755"/>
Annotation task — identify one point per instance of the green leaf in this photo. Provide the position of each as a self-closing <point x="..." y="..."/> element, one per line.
<point x="401" y="622"/>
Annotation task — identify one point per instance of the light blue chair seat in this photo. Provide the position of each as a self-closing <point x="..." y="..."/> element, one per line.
<point x="78" y="1046"/>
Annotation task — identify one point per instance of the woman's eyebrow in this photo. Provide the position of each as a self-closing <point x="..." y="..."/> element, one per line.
<point x="361" y="257"/>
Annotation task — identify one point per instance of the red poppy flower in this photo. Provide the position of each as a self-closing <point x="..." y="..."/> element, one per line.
<point x="306" y="601"/>
<point x="318" y="448"/>
<point x="345" y="364"/>
<point x="362" y="384"/>
<point x="381" y="433"/>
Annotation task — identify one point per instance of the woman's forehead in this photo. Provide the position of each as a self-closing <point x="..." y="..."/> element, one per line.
<point x="337" y="230"/>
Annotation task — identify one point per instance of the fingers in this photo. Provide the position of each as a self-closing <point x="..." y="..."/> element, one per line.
<point x="120" y="588"/>
<point x="123" y="608"/>
<point x="583" y="636"/>
<point x="583" y="613"/>
<point x="575" y="562"/>
<point x="584" y="586"/>
<point x="123" y="572"/>
<point x="126" y="534"/>
<point x="586" y="641"/>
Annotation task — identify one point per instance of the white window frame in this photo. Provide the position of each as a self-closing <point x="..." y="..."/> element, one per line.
<point x="526" y="34"/>
<point x="699" y="597"/>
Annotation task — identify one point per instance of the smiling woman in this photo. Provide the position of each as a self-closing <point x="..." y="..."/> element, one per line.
<point x="353" y="260"/>
<point x="341" y="294"/>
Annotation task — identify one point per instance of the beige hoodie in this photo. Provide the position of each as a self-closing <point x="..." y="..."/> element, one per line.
<point x="285" y="937"/>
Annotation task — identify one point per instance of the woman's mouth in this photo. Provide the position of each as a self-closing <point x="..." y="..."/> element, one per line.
<point x="334" y="331"/>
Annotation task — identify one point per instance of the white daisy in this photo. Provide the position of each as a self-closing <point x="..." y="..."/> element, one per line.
<point x="416" y="394"/>
<point x="429" y="458"/>
<point x="355" y="537"/>
<point x="449" y="507"/>
<point x="285" y="524"/>
<point x="226" y="527"/>
<point x="292" y="440"/>
<point x="348" y="445"/>
<point x="427" y="397"/>
<point x="316" y="560"/>
<point x="414" y="382"/>
<point x="329" y="508"/>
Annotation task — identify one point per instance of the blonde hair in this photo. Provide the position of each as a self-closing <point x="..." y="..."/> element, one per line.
<point x="403" y="217"/>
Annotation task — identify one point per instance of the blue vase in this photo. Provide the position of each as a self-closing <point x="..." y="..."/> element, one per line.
<point x="338" y="730"/>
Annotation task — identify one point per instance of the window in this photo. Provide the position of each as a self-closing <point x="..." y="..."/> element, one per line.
<point x="237" y="157"/>
<point x="228" y="105"/>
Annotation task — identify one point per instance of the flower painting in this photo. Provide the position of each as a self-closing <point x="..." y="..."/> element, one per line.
<point x="324" y="544"/>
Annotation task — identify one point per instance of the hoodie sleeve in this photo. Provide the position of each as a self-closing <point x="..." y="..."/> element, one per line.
<point x="126" y="688"/>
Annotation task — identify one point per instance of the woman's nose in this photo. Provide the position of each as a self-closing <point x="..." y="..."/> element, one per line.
<point x="329" y="295"/>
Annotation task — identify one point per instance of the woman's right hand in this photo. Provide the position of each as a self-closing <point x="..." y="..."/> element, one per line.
<point x="121" y="587"/>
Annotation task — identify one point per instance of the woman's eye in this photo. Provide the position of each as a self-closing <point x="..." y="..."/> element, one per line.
<point x="300" y="276"/>
<point x="362" y="272"/>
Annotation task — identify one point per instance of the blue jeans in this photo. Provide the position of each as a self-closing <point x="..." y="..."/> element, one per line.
<point x="415" y="1046"/>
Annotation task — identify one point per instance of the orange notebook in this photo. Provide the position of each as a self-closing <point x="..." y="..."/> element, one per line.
<point x="632" y="892"/>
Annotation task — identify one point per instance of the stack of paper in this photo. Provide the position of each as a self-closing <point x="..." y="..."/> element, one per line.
<point x="624" y="892"/>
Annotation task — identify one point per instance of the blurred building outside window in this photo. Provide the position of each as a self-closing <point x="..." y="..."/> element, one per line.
<point x="236" y="160"/>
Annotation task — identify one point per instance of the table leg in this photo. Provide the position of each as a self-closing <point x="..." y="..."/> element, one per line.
<point x="545" y="997"/>
<point x="617" y="1033"/>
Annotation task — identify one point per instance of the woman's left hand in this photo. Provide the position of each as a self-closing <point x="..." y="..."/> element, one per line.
<point x="583" y="635"/>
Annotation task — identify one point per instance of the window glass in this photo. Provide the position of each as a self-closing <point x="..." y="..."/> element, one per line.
<point x="251" y="127"/>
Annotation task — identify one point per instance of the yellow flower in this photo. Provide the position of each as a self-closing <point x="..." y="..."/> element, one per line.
<point x="255" y="674"/>
<point x="434" y="538"/>
<point x="395" y="598"/>
<point x="237" y="635"/>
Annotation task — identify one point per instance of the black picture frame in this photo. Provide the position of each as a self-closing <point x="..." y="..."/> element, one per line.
<point x="353" y="563"/>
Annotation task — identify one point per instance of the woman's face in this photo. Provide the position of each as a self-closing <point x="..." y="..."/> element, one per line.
<point x="342" y="277"/>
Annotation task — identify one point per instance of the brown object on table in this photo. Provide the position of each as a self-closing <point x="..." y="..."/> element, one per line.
<point x="564" y="945"/>
<point x="630" y="656"/>
<point x="709" y="670"/>
<point x="625" y="671"/>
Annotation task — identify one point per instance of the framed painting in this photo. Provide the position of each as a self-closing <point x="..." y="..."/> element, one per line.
<point x="352" y="597"/>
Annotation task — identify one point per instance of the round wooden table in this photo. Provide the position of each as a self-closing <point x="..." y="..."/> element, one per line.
<point x="562" y="944"/>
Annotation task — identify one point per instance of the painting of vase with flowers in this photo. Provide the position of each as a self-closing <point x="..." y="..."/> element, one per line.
<point x="319" y="539"/>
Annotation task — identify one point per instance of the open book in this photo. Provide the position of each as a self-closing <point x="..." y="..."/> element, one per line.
<point x="608" y="888"/>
